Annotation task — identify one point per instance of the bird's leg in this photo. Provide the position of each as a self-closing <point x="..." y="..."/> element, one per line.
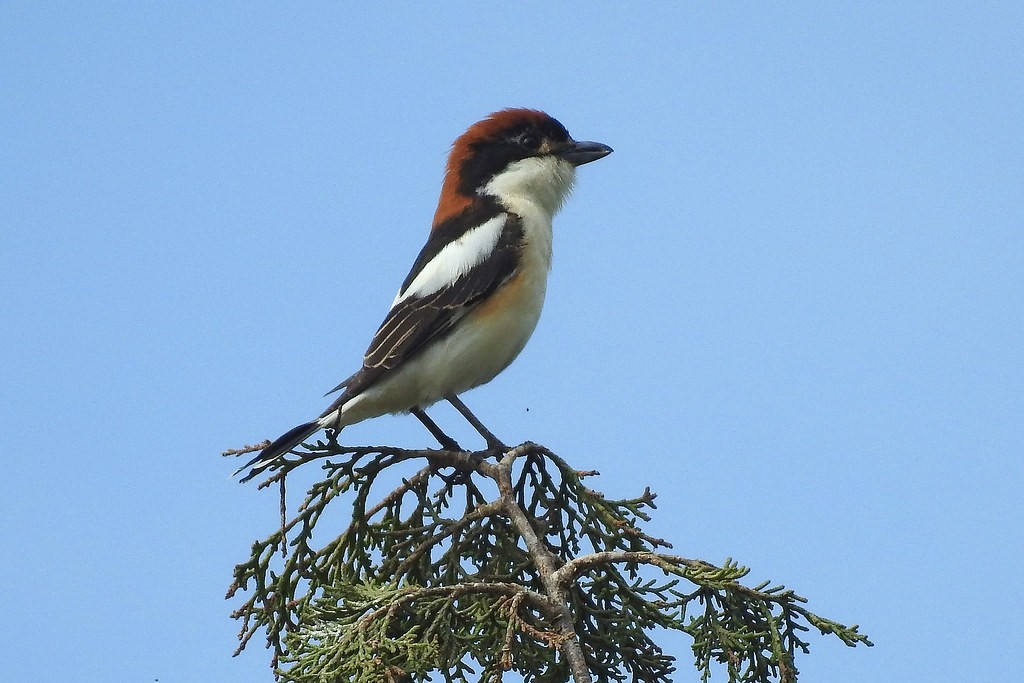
<point x="493" y="442"/>
<point x="447" y="442"/>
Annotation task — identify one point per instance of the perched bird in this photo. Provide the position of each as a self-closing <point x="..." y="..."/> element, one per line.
<point x="475" y="292"/>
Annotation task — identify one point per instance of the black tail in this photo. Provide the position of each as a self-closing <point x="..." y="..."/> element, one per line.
<point x="284" y="443"/>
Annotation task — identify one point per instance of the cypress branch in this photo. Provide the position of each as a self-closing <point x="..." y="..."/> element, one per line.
<point x="469" y="568"/>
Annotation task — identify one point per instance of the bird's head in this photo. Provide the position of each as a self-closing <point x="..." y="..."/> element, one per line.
<point x="514" y="155"/>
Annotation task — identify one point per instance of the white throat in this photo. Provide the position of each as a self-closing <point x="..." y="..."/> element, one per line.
<point x="545" y="182"/>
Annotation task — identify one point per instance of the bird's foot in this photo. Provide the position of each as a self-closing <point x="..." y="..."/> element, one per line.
<point x="495" y="449"/>
<point x="450" y="444"/>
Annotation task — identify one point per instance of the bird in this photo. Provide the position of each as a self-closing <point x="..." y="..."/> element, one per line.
<point x="474" y="294"/>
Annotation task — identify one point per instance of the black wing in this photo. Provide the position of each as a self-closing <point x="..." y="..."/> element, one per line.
<point x="415" y="321"/>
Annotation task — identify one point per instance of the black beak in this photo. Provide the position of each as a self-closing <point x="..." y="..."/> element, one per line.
<point x="579" y="153"/>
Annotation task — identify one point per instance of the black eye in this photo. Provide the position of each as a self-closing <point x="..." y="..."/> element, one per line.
<point x="530" y="141"/>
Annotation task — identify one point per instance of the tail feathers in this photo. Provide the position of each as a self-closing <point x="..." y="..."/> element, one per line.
<point x="284" y="443"/>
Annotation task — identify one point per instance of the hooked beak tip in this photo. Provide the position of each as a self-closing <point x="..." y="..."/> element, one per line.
<point x="580" y="153"/>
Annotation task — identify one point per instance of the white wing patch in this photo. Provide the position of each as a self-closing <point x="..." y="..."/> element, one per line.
<point x="456" y="259"/>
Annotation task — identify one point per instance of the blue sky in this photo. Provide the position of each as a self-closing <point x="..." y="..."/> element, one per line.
<point x="791" y="302"/>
